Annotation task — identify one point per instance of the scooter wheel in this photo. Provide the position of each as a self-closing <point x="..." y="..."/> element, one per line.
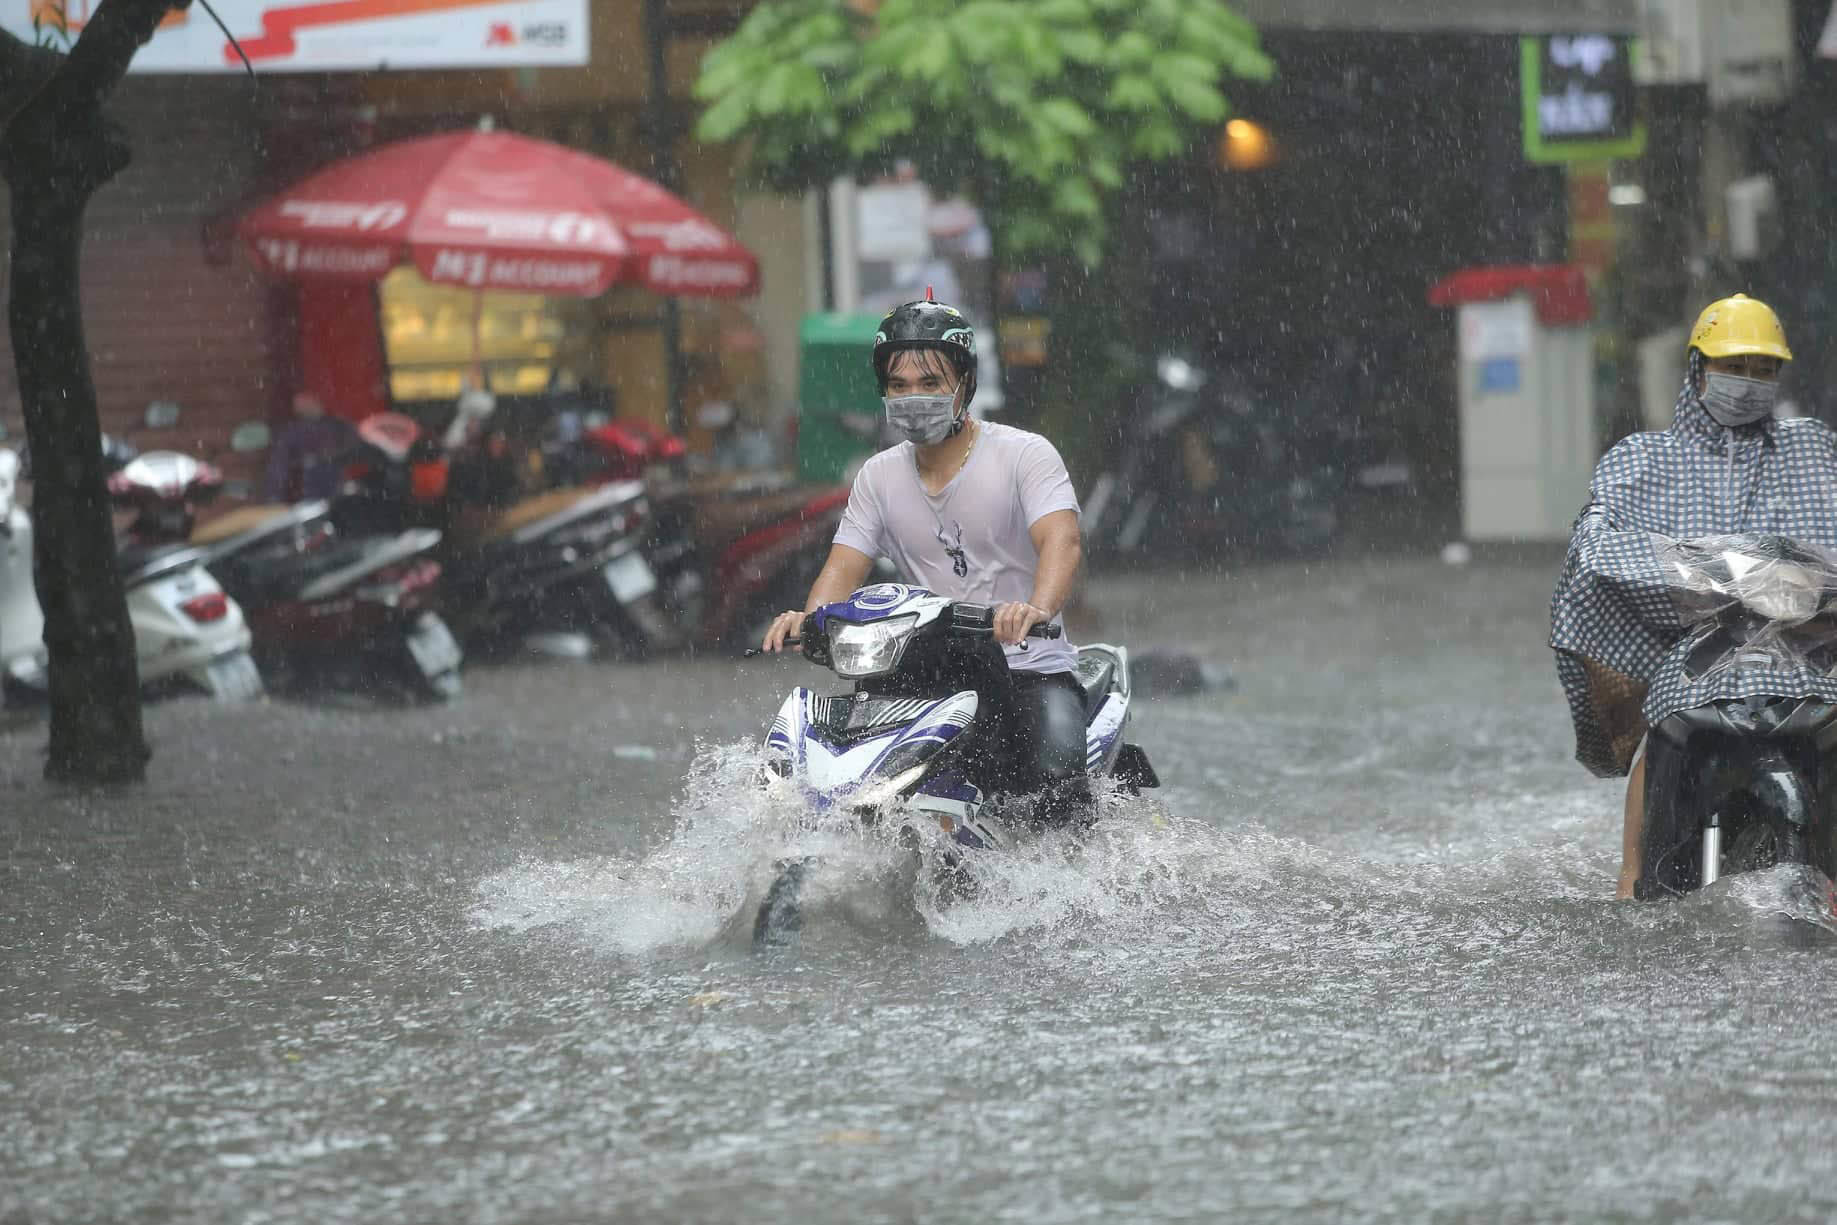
<point x="780" y="919"/>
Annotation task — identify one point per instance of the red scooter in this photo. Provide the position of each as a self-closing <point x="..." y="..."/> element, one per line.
<point x="328" y="609"/>
<point x="336" y="610"/>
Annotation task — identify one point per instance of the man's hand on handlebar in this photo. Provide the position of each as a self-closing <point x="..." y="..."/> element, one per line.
<point x="784" y="625"/>
<point x="1012" y="621"/>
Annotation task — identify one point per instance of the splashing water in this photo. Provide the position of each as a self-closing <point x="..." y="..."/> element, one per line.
<point x="691" y="891"/>
<point x="701" y="885"/>
<point x="1143" y="877"/>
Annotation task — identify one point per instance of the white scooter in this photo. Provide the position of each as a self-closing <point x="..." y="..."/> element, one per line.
<point x="22" y="626"/>
<point x="187" y="632"/>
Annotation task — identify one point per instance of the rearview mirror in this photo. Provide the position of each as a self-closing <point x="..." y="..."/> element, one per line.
<point x="250" y="436"/>
<point x="1180" y="374"/>
<point x="162" y="414"/>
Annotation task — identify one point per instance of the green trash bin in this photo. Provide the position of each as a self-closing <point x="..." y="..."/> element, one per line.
<point x="839" y="411"/>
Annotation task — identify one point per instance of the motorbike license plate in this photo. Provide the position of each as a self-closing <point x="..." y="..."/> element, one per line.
<point x="433" y="646"/>
<point x="630" y="577"/>
<point x="234" y="678"/>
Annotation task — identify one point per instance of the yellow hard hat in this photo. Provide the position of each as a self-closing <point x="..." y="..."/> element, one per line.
<point x="1739" y="325"/>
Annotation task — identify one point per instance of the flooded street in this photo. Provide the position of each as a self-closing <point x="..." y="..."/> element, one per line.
<point x="492" y="963"/>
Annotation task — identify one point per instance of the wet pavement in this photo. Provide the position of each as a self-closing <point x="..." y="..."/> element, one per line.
<point x="490" y="962"/>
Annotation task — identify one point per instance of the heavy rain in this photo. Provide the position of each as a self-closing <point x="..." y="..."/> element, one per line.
<point x="853" y="610"/>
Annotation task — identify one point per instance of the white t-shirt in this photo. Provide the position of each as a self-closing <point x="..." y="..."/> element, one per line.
<point x="971" y="541"/>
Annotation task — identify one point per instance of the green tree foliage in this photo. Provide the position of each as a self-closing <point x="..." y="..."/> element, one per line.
<point x="1035" y="108"/>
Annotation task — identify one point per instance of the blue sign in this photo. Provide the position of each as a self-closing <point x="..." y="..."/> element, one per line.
<point x="1499" y="374"/>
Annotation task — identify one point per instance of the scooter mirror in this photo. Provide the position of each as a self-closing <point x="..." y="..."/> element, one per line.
<point x="1180" y="374"/>
<point x="162" y="414"/>
<point x="250" y="436"/>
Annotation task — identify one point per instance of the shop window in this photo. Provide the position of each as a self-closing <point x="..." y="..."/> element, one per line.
<point x="440" y="338"/>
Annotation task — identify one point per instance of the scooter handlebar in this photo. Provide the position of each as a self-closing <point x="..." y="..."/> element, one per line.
<point x="971" y="620"/>
<point x="979" y="619"/>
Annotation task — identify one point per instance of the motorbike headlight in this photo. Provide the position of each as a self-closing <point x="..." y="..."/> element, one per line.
<point x="870" y="649"/>
<point x="883" y="791"/>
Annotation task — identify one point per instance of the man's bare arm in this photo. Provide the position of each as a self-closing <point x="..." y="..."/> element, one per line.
<point x="1060" y="544"/>
<point x="845" y="570"/>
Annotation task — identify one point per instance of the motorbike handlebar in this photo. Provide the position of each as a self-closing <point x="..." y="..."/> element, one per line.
<point x="970" y="620"/>
<point x="979" y="619"/>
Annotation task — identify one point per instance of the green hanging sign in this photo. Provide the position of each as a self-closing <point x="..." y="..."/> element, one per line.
<point x="1580" y="99"/>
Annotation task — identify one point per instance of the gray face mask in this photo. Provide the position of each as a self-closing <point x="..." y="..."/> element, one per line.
<point x="924" y="420"/>
<point x="1733" y="400"/>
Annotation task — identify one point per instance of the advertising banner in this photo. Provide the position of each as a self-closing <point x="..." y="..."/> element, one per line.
<point x="335" y="35"/>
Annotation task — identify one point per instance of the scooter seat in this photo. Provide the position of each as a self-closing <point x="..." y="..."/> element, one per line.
<point x="535" y="517"/>
<point x="143" y="565"/>
<point x="532" y="510"/>
<point x="1095" y="673"/>
<point x="236" y="522"/>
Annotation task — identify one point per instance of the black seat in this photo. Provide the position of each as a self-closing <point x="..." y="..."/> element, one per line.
<point x="1095" y="672"/>
<point x="144" y="563"/>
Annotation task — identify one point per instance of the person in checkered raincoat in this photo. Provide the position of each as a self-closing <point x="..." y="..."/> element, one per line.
<point x="1726" y="466"/>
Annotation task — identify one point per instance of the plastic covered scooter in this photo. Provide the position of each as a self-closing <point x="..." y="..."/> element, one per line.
<point x="1741" y="768"/>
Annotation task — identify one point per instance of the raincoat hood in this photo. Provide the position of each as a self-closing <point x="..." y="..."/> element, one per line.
<point x="1613" y="623"/>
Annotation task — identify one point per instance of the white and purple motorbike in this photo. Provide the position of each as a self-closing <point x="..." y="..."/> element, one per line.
<point x="914" y="746"/>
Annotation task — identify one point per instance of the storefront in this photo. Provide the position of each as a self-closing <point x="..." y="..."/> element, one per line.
<point x="176" y="311"/>
<point x="170" y="311"/>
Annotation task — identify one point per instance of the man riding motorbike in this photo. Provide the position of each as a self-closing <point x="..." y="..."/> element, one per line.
<point x="975" y="511"/>
<point x="1725" y="466"/>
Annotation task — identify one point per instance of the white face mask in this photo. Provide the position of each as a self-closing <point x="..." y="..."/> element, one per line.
<point x="923" y="420"/>
<point x="1734" y="400"/>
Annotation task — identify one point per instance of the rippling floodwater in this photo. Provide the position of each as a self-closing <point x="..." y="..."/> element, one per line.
<point x="1356" y="962"/>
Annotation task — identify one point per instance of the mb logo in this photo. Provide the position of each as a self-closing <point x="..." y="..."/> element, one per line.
<point x="537" y="34"/>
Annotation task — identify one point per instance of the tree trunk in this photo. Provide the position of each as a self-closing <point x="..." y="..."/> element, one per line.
<point x="55" y="152"/>
<point x="95" y="683"/>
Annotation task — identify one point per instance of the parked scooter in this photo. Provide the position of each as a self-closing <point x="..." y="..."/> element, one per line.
<point x="1208" y="468"/>
<point x="22" y="625"/>
<point x="330" y="611"/>
<point x="730" y="550"/>
<point x="567" y="560"/>
<point x="188" y="633"/>
<point x="908" y="748"/>
<point x="600" y="452"/>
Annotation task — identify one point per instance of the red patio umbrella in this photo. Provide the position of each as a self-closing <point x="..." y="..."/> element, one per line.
<point x="494" y="210"/>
